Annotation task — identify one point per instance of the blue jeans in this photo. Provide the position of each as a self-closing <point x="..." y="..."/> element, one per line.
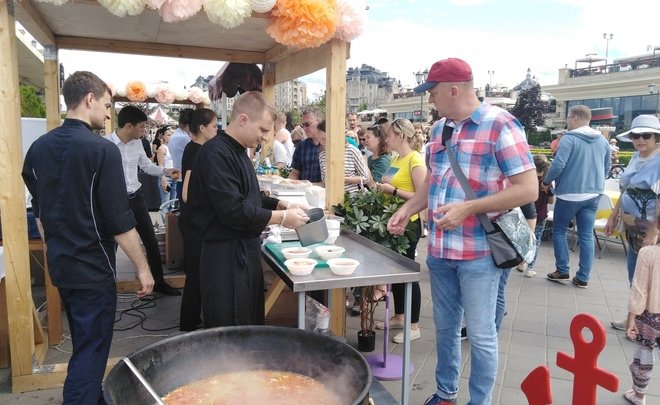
<point x="500" y="310"/>
<point x="584" y="213"/>
<point x="631" y="262"/>
<point x="538" y="234"/>
<point x="167" y="195"/>
<point x="461" y="287"/>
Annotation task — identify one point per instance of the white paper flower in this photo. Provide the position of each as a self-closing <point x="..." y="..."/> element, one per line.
<point x="121" y="91"/>
<point x="196" y="95"/>
<point x="262" y="6"/>
<point x="179" y="10"/>
<point x="181" y="94"/>
<point x="154" y="4"/>
<point x="54" y="2"/>
<point x="121" y="8"/>
<point x="227" y="13"/>
<point x="151" y="91"/>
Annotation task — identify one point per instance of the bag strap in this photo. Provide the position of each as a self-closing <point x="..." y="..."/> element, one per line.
<point x="447" y="132"/>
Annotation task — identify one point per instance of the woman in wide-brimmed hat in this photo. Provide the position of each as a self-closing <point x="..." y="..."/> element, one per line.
<point x="640" y="188"/>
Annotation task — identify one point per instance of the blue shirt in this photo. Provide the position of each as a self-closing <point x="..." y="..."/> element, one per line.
<point x="306" y="161"/>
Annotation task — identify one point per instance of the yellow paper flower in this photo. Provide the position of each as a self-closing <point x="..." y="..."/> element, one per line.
<point x="136" y="91"/>
<point x="227" y="13"/>
<point x="121" y="8"/>
<point x="303" y="23"/>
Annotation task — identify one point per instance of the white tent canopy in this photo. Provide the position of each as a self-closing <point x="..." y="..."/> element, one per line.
<point x="161" y="117"/>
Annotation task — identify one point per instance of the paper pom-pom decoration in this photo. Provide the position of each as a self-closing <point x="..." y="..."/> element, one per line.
<point x="180" y="94"/>
<point x="164" y="95"/>
<point x="196" y="95"/>
<point x="352" y="18"/>
<point x="179" y="10"/>
<point x="113" y="90"/>
<point x="121" y="8"/>
<point x="154" y="4"/>
<point x="227" y="13"/>
<point x="303" y="23"/>
<point x="54" y="2"/>
<point x="262" y="6"/>
<point x="136" y="91"/>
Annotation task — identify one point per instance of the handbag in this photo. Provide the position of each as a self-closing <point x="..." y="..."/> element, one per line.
<point x="509" y="237"/>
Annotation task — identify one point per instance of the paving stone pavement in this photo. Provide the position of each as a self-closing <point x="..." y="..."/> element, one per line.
<point x="535" y="329"/>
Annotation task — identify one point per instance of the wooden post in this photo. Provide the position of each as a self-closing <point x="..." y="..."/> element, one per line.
<point x="268" y="83"/>
<point x="12" y="202"/>
<point x="112" y="122"/>
<point x="335" y="110"/>
<point x="53" y="120"/>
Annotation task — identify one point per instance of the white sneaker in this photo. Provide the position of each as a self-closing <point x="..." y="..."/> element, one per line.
<point x="632" y="398"/>
<point x="529" y="273"/>
<point x="414" y="335"/>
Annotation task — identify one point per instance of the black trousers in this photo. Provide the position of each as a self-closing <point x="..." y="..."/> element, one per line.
<point x="91" y="317"/>
<point x="191" y="300"/>
<point x="399" y="290"/>
<point x="145" y="228"/>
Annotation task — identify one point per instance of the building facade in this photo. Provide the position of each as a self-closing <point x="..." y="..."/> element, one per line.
<point x="630" y="86"/>
<point x="290" y="95"/>
<point x="368" y="87"/>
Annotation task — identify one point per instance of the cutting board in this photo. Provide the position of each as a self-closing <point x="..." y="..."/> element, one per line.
<point x="276" y="250"/>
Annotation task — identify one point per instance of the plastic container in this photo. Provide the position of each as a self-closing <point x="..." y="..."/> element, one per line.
<point x="315" y="230"/>
<point x="343" y="266"/>
<point x="333" y="230"/>
<point x="296" y="252"/>
<point x="300" y="267"/>
<point x="329" y="252"/>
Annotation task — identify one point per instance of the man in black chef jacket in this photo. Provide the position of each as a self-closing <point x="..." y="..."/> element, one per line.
<point x="229" y="211"/>
<point x="79" y="198"/>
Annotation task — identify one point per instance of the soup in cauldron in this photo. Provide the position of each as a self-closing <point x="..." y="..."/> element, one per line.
<point x="253" y="387"/>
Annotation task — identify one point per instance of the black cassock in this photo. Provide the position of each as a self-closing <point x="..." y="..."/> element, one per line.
<point x="228" y="210"/>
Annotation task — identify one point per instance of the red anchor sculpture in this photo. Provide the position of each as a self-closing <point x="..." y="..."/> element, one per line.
<point x="584" y="366"/>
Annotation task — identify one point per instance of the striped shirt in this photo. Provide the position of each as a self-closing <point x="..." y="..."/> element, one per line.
<point x="489" y="146"/>
<point x="354" y="165"/>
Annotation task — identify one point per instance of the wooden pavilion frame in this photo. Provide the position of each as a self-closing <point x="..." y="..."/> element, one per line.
<point x="86" y="25"/>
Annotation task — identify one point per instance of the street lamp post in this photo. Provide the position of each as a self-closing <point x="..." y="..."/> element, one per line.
<point x="607" y="37"/>
<point x="421" y="78"/>
<point x="651" y="88"/>
<point x="491" y="73"/>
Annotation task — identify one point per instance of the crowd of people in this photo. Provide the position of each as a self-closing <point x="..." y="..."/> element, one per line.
<point x="223" y="213"/>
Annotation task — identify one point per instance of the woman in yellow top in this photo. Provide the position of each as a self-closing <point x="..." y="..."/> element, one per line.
<point x="405" y="175"/>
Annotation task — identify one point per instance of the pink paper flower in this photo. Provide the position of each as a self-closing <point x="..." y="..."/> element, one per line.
<point x="303" y="23"/>
<point x="164" y="95"/>
<point x="196" y="95"/>
<point x="179" y="10"/>
<point x="352" y="19"/>
<point x="227" y="13"/>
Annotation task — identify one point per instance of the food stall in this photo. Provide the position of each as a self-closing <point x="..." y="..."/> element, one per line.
<point x="130" y="28"/>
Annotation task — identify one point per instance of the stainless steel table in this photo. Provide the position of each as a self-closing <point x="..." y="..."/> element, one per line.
<point x="378" y="265"/>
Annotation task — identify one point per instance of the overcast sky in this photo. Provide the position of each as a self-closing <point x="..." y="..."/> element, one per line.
<point x="404" y="36"/>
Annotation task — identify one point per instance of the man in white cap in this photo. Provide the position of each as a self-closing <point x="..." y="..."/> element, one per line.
<point x="490" y="147"/>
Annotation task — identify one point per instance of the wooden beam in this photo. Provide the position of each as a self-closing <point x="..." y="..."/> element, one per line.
<point x="156" y="49"/>
<point x="278" y="53"/>
<point x="301" y="63"/>
<point x="335" y="109"/>
<point x="12" y="203"/>
<point x="4" y="329"/>
<point x="33" y="22"/>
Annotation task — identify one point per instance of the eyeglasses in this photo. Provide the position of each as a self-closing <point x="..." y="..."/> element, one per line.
<point x="306" y="124"/>
<point x="646" y="136"/>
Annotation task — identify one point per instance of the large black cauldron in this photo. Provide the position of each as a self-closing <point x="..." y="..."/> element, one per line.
<point x="182" y="359"/>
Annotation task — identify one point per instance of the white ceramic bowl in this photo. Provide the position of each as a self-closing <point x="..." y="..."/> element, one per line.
<point x="329" y="252"/>
<point x="343" y="266"/>
<point x="296" y="252"/>
<point x="300" y="267"/>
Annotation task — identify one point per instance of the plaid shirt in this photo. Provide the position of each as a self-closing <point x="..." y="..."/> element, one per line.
<point x="489" y="146"/>
<point x="306" y="161"/>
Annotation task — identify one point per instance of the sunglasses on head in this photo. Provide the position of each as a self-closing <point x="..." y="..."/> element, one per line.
<point x="645" y="135"/>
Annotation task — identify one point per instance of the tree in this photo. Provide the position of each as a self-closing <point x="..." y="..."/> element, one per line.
<point x="319" y="102"/>
<point x="31" y="103"/>
<point x="529" y="108"/>
<point x="362" y="107"/>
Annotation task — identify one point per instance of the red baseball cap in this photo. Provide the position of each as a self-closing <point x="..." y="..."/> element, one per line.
<point x="446" y="70"/>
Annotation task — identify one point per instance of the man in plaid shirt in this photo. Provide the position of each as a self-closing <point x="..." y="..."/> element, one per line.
<point x="490" y="147"/>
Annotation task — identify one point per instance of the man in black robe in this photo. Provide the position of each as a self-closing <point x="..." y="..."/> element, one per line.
<point x="228" y="210"/>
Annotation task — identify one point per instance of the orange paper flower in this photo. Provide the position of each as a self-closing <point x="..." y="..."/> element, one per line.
<point x="136" y="91"/>
<point x="303" y="23"/>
